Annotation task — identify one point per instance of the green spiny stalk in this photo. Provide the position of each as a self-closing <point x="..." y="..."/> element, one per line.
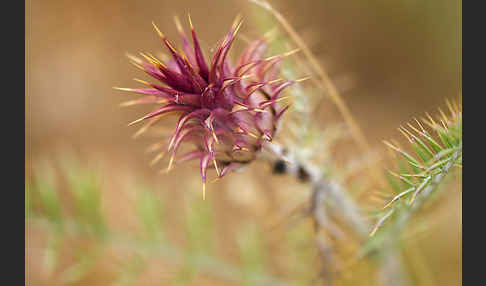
<point x="428" y="166"/>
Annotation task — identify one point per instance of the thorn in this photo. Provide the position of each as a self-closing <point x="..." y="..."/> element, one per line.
<point x="267" y="137"/>
<point x="122" y="88"/>
<point x="238" y="27"/>
<point x="158" y="31"/>
<point x="420" y="125"/>
<point x="170" y="163"/>
<point x="164" y="58"/>
<point x="275" y="81"/>
<point x="215" y="137"/>
<point x="443" y="115"/>
<point x="251" y="134"/>
<point x="274" y="101"/>
<point x="237" y="19"/>
<point x="239" y="130"/>
<point x="449" y="105"/>
<point x="444" y="125"/>
<point x="280" y="99"/>
<point x="303" y="79"/>
<point x="238" y="148"/>
<point x="413" y="128"/>
<point x="163" y="171"/>
<point x="430" y="118"/>
<point x="246" y="76"/>
<point x="289" y="53"/>
<point x="258" y="110"/>
<point x="204" y="191"/>
<point x="157" y="158"/>
<point x="151" y="60"/>
<point x="178" y="24"/>
<point x="456" y="107"/>
<point x="187" y="60"/>
<point x="127" y="103"/>
<point x="216" y="166"/>
<point x="388" y="204"/>
<point x="272" y="58"/>
<point x="390" y="145"/>
<point x="142" y="81"/>
<point x="137" y="65"/>
<point x="146" y="57"/>
<point x="135" y="122"/>
<point x="190" y="21"/>
<point x="153" y="147"/>
<point x="405" y="133"/>
<point x="133" y="58"/>
<point x="271" y="34"/>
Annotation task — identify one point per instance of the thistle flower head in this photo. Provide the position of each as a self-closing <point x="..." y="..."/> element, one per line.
<point x="226" y="109"/>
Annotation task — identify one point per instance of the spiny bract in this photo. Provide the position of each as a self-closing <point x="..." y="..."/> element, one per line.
<point x="226" y="110"/>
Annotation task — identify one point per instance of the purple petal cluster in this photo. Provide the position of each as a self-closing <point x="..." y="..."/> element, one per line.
<point x="226" y="110"/>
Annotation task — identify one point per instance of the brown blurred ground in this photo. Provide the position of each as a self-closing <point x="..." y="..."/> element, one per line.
<point x="403" y="57"/>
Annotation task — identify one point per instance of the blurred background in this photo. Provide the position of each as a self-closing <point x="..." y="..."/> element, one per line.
<point x="391" y="61"/>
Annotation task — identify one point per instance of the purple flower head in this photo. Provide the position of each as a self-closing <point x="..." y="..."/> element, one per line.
<point x="227" y="110"/>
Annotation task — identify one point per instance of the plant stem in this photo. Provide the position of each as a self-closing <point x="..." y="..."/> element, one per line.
<point x="325" y="85"/>
<point x="327" y="190"/>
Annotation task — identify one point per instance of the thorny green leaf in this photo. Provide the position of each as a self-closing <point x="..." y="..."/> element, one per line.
<point x="399" y="196"/>
<point x="450" y="133"/>
<point x="420" y="188"/>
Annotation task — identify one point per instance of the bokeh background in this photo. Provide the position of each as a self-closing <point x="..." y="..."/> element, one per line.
<point x="391" y="61"/>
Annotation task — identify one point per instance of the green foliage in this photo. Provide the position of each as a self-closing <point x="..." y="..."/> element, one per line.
<point x="184" y="276"/>
<point x="45" y="187"/>
<point x="251" y="252"/>
<point x="82" y="266"/>
<point x="84" y="186"/>
<point x="199" y="224"/>
<point x="130" y="270"/>
<point x="421" y="172"/>
<point x="298" y="240"/>
<point x="51" y="253"/>
<point x="149" y="210"/>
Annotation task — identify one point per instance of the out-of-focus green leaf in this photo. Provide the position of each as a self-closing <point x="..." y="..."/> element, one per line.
<point x="252" y="254"/>
<point x="393" y="181"/>
<point x="299" y="238"/>
<point x="437" y="148"/>
<point x="130" y="271"/>
<point x="46" y="188"/>
<point x="199" y="224"/>
<point x="51" y="253"/>
<point x="444" y="138"/>
<point x="77" y="271"/>
<point x="149" y="208"/>
<point x="184" y="276"/>
<point x="85" y="189"/>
